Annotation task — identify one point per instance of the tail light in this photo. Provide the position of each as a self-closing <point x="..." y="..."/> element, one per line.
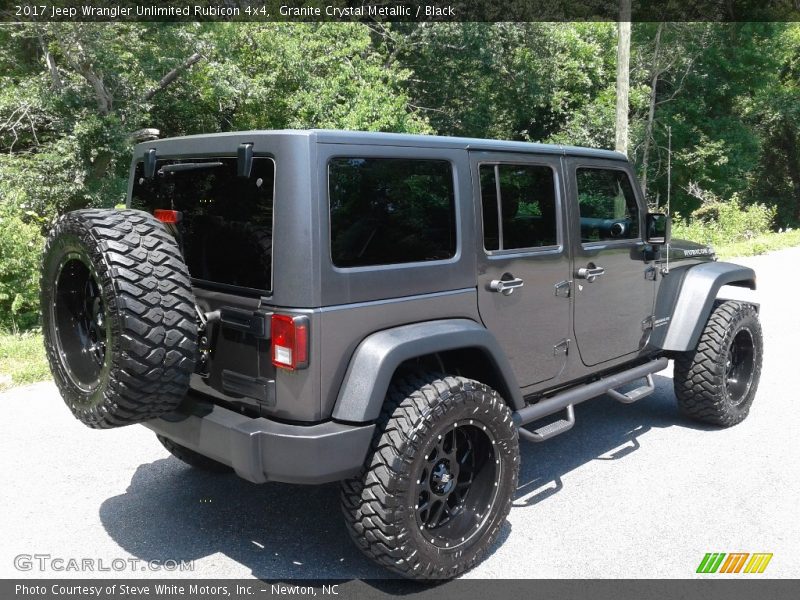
<point x="289" y="345"/>
<point x="170" y="217"/>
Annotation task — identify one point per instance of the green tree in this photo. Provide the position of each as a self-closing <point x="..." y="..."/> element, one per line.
<point x="775" y="110"/>
<point x="75" y="94"/>
<point x="706" y="98"/>
<point x="521" y="81"/>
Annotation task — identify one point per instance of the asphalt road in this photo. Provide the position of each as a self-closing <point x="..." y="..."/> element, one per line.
<point x="631" y="492"/>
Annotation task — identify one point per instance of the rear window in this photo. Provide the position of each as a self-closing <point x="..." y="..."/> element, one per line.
<point x="391" y="210"/>
<point x="225" y="227"/>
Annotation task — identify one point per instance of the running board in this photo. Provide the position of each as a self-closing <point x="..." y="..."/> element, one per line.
<point x="634" y="395"/>
<point x="569" y="398"/>
<point x="550" y="430"/>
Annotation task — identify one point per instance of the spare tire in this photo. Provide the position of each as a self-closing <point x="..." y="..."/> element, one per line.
<point x="118" y="316"/>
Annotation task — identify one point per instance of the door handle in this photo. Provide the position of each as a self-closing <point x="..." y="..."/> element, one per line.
<point x="590" y="272"/>
<point x="506" y="286"/>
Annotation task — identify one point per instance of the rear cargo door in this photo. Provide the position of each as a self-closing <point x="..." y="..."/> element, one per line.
<point x="223" y="221"/>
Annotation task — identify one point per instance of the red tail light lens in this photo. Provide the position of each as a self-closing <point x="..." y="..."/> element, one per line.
<point x="167" y="216"/>
<point x="289" y="344"/>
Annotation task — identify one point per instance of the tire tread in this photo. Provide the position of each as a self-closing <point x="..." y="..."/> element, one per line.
<point x="149" y="294"/>
<point x="699" y="375"/>
<point x="371" y="502"/>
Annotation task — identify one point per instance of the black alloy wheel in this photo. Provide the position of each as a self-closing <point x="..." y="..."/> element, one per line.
<point x="80" y="322"/>
<point x="457" y="484"/>
<point x="740" y="366"/>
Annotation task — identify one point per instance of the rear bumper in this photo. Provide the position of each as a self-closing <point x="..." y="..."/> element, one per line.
<point x="261" y="450"/>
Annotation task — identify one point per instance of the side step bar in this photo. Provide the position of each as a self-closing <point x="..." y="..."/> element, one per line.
<point x="569" y="398"/>
<point x="634" y="395"/>
<point x="550" y="430"/>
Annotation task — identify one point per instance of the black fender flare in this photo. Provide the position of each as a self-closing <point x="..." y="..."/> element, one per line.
<point x="695" y="300"/>
<point x="377" y="357"/>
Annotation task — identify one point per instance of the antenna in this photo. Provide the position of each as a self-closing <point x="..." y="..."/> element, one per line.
<point x="665" y="268"/>
<point x="669" y="166"/>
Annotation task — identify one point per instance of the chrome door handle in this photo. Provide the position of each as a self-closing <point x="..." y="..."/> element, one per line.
<point x="506" y="286"/>
<point x="590" y="272"/>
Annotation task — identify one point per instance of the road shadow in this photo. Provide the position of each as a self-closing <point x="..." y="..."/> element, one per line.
<point x="173" y="512"/>
<point x="604" y="430"/>
<point x="279" y="531"/>
<point x="274" y="531"/>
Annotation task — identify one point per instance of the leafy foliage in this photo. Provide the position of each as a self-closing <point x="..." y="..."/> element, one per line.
<point x="720" y="223"/>
<point x="74" y="97"/>
<point x="20" y="253"/>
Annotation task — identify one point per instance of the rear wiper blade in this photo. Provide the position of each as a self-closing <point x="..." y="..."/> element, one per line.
<point x="188" y="167"/>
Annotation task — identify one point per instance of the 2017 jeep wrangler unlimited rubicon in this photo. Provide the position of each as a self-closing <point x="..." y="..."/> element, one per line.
<point x="389" y="311"/>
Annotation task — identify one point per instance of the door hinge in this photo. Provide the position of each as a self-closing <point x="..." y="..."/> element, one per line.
<point x="648" y="323"/>
<point x="561" y="347"/>
<point x="563" y="289"/>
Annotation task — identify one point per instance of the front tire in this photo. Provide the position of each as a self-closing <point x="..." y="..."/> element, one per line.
<point x="439" y="482"/>
<point x="716" y="383"/>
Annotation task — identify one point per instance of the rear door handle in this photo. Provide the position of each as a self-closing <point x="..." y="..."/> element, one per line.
<point x="506" y="286"/>
<point x="590" y="272"/>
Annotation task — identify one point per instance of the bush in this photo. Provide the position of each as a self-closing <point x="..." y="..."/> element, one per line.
<point x="722" y="223"/>
<point x="21" y="244"/>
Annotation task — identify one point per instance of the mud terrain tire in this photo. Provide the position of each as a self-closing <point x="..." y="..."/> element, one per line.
<point x="118" y="316"/>
<point x="716" y="383"/>
<point x="437" y="486"/>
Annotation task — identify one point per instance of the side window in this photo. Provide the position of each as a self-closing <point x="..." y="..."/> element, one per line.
<point x="391" y="210"/>
<point x="519" y="206"/>
<point x="607" y="204"/>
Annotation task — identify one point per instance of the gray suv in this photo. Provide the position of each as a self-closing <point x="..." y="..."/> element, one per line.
<point x="394" y="312"/>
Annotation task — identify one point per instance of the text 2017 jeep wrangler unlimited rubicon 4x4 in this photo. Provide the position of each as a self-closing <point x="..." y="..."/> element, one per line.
<point x="391" y="311"/>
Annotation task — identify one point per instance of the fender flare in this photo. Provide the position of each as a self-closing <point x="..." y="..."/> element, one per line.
<point x="696" y="299"/>
<point x="377" y="357"/>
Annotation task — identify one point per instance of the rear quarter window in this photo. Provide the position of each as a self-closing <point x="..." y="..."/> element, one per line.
<point x="387" y="211"/>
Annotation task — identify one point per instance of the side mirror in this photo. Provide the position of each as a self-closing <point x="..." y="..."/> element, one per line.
<point x="659" y="229"/>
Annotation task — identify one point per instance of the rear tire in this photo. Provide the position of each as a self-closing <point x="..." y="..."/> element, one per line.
<point x="716" y="383"/>
<point x="439" y="481"/>
<point x="118" y="316"/>
<point x="192" y="458"/>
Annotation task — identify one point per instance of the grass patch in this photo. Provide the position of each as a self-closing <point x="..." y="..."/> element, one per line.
<point x="766" y="242"/>
<point x="22" y="359"/>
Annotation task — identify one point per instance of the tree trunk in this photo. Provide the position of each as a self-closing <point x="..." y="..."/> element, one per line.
<point x="651" y="111"/>
<point x="55" y="78"/>
<point x="623" y="75"/>
<point x="103" y="98"/>
<point x="82" y="65"/>
<point x="173" y="75"/>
